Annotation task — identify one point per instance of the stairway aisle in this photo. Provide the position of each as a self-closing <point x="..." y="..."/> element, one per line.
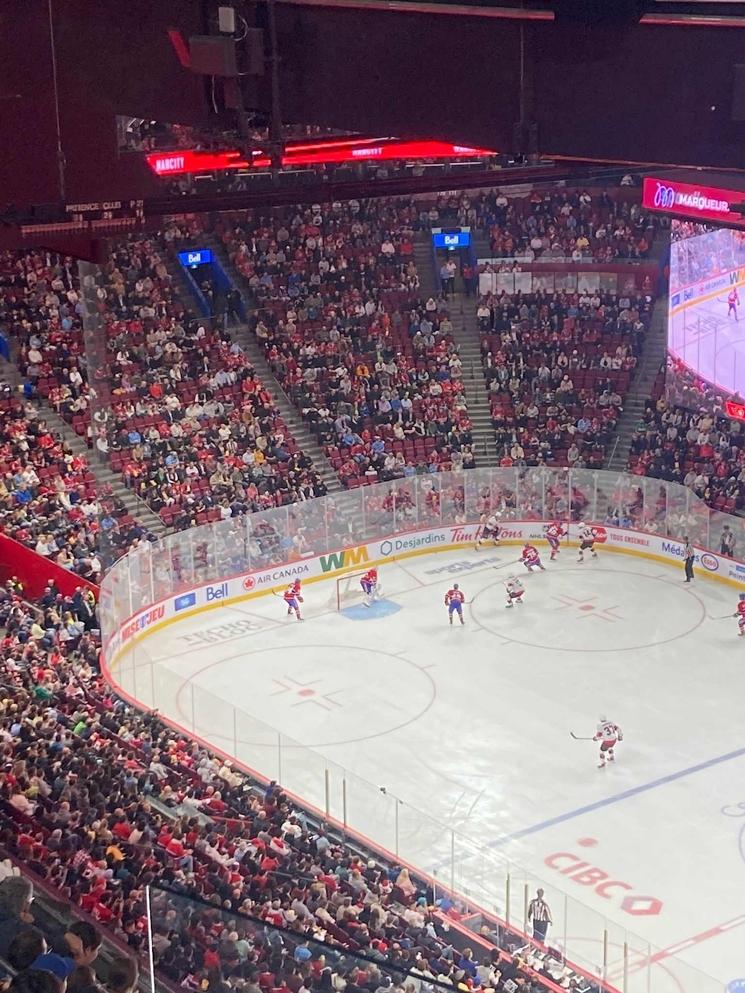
<point x="652" y="359"/>
<point x="429" y="280"/>
<point x="466" y="336"/>
<point x="245" y="338"/>
<point x="305" y="439"/>
<point x="183" y="287"/>
<point x="104" y="475"/>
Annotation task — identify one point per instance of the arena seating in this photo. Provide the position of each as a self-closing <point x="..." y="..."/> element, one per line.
<point x="557" y="367"/>
<point x="49" y="499"/>
<point x="98" y="799"/>
<point x="578" y="225"/>
<point x="373" y="368"/>
<point x="701" y="449"/>
<point x="190" y="426"/>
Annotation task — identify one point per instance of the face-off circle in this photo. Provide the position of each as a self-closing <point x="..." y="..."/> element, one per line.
<point x="598" y="611"/>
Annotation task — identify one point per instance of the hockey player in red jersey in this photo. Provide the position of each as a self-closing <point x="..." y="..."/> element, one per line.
<point x="733" y="302"/>
<point x="369" y="584"/>
<point x="454" y="600"/>
<point x="740" y="615"/>
<point x="531" y="559"/>
<point x="293" y="599"/>
<point x="554" y="534"/>
<point x="608" y="734"/>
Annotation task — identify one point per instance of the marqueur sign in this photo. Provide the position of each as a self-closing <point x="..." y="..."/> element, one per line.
<point x="701" y="203"/>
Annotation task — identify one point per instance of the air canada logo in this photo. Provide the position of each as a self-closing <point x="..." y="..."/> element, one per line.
<point x="664" y="196"/>
<point x="248" y="583"/>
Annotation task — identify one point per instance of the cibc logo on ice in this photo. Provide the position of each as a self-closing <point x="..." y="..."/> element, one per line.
<point x="604" y="885"/>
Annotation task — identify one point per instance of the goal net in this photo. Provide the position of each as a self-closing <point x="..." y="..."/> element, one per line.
<point x="347" y="591"/>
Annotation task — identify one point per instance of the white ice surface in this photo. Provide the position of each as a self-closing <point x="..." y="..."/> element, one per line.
<point x="468" y="731"/>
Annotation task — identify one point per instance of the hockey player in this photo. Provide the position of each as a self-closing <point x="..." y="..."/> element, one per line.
<point x="608" y="734"/>
<point x="586" y="541"/>
<point x="515" y="590"/>
<point x="369" y="584"/>
<point x="554" y="534"/>
<point x="531" y="559"/>
<point x="740" y="615"/>
<point x="293" y="599"/>
<point x="489" y="531"/>
<point x="733" y="302"/>
<point x="454" y="599"/>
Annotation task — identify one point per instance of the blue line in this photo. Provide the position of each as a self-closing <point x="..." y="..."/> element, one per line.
<point x="607" y="802"/>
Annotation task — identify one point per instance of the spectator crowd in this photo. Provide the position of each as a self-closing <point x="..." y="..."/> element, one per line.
<point x="557" y="367"/>
<point x="99" y="801"/>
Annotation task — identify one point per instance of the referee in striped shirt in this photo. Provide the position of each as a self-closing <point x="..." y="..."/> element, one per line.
<point x="540" y="914"/>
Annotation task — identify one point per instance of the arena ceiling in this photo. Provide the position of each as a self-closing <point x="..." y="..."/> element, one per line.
<point x="654" y="84"/>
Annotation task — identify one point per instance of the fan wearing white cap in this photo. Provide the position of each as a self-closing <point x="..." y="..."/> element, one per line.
<point x="608" y="734"/>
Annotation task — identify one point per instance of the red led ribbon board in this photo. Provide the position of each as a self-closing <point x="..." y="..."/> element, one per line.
<point x="190" y="162"/>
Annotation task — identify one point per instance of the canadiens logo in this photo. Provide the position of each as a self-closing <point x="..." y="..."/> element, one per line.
<point x="248" y="583"/>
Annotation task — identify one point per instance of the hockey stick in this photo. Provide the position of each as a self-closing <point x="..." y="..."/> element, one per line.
<point x="579" y="738"/>
<point x="723" y="618"/>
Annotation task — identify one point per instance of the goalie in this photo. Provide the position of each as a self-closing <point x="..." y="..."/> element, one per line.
<point x="369" y="584"/>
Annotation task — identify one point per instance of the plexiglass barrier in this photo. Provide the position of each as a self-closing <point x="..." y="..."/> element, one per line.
<point x="488" y="889"/>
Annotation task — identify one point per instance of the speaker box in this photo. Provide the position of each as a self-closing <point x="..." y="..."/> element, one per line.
<point x="213" y="55"/>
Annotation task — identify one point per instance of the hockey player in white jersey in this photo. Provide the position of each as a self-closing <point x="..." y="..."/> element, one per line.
<point x="586" y="541"/>
<point x="489" y="531"/>
<point x="608" y="734"/>
<point x="515" y="591"/>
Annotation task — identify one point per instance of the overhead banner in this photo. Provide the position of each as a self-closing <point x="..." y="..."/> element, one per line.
<point x="190" y="162"/>
<point x="700" y="203"/>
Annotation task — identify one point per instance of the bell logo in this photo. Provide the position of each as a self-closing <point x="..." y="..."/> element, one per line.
<point x="217" y="592"/>
<point x="248" y="583"/>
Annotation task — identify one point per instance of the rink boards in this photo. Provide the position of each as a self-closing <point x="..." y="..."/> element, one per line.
<point x="402" y="545"/>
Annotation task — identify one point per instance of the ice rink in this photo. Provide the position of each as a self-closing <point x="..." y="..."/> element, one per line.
<point x="711" y="342"/>
<point x="468" y="731"/>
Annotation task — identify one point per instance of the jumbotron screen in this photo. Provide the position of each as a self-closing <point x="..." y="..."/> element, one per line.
<point x="706" y="316"/>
